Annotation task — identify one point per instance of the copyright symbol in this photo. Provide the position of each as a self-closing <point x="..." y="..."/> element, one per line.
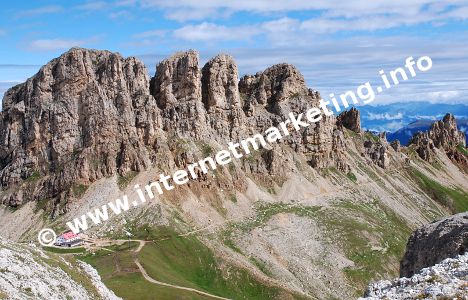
<point x="46" y="237"/>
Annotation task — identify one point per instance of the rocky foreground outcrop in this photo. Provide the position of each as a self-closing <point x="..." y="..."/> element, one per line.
<point x="435" y="265"/>
<point x="435" y="242"/>
<point x="29" y="273"/>
<point x="446" y="280"/>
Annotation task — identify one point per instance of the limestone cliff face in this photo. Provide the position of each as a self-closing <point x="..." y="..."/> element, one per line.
<point x="91" y="114"/>
<point x="220" y="83"/>
<point x="84" y="115"/>
<point x="177" y="90"/>
<point x="220" y="94"/>
<point x="274" y="85"/>
<point x="269" y="97"/>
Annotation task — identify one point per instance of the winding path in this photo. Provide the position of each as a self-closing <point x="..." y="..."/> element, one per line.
<point x="148" y="278"/>
<point x="142" y="243"/>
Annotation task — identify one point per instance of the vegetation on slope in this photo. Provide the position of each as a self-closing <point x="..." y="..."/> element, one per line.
<point x="119" y="273"/>
<point x="370" y="235"/>
<point x="462" y="149"/>
<point x="454" y="198"/>
<point x="182" y="261"/>
<point x="65" y="250"/>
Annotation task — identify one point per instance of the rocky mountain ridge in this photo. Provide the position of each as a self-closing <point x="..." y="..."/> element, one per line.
<point x="91" y="114"/>
<point x="444" y="135"/>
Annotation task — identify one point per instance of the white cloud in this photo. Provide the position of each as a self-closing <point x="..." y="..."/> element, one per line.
<point x="459" y="13"/>
<point x="387" y="127"/>
<point x="3" y="32"/>
<point x="397" y="11"/>
<point x="58" y="44"/>
<point x="443" y="96"/>
<point x="122" y="14"/>
<point x="92" y="6"/>
<point x="393" y="126"/>
<point x="209" y="32"/>
<point x="125" y="3"/>
<point x="366" y="23"/>
<point x="150" y="33"/>
<point x="423" y="117"/>
<point x="187" y="14"/>
<point x="286" y="31"/>
<point x="385" y="116"/>
<point x="39" y="11"/>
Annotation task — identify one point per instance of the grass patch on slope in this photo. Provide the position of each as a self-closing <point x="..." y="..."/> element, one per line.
<point x="182" y="261"/>
<point x="35" y="175"/>
<point x="79" y="190"/>
<point x="261" y="266"/>
<point x="64" y="250"/>
<point x="266" y="211"/>
<point x="455" y="199"/>
<point x="351" y="176"/>
<point x="369" y="234"/>
<point x="355" y="225"/>
<point x="120" y="274"/>
<point x="185" y="261"/>
<point x="124" y="181"/>
<point x="462" y="149"/>
<point x="371" y="137"/>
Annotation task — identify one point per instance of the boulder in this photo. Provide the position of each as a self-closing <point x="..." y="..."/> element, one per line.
<point x="435" y="242"/>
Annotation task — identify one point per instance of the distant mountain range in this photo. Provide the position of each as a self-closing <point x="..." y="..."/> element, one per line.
<point x="401" y="120"/>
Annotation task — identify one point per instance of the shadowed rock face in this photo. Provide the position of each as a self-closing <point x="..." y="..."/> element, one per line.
<point x="177" y="90"/>
<point x="435" y="242"/>
<point x="350" y="119"/>
<point x="220" y="94"/>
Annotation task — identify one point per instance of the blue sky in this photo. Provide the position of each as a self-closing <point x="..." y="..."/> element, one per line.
<point x="337" y="45"/>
